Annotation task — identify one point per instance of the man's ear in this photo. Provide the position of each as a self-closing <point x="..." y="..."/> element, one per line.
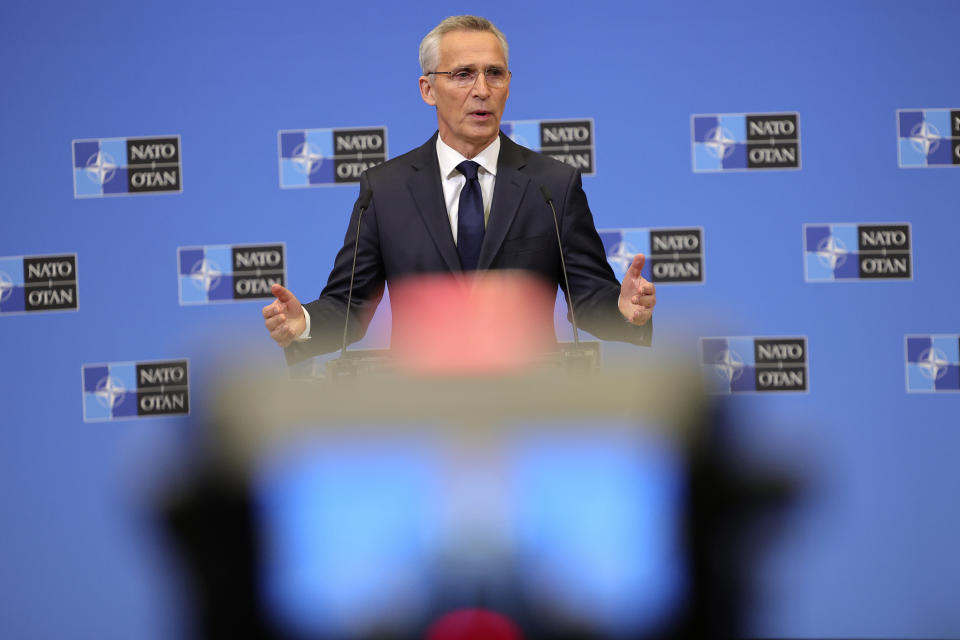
<point x="426" y="91"/>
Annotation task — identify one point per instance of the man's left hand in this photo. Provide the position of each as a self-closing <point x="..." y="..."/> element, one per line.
<point x="638" y="296"/>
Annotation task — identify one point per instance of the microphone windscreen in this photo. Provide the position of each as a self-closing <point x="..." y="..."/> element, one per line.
<point x="546" y="193"/>
<point x="364" y="200"/>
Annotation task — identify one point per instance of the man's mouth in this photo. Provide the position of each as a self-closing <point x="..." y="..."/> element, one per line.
<point x="481" y="114"/>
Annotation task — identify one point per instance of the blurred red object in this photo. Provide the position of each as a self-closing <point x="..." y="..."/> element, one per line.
<point x="487" y="323"/>
<point x="474" y="624"/>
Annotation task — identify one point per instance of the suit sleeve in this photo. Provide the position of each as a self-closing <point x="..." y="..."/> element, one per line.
<point x="328" y="312"/>
<point x="594" y="288"/>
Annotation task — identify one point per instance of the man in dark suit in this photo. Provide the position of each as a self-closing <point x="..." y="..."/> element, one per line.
<point x="469" y="199"/>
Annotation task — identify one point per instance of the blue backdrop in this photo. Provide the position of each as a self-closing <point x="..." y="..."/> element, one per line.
<point x="871" y="552"/>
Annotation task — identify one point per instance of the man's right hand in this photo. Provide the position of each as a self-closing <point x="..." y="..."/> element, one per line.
<point x="284" y="317"/>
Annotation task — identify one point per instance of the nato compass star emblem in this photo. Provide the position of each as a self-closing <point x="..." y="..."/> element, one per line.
<point x="925" y="138"/>
<point x="933" y="363"/>
<point x="101" y="167"/>
<point x="205" y="274"/>
<point x="306" y="158"/>
<point x="110" y="392"/>
<point x="720" y="142"/>
<point x="729" y="365"/>
<point x="622" y="255"/>
<point x="6" y="286"/>
<point x="832" y="252"/>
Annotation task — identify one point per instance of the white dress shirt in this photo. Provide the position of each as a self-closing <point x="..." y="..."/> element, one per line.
<point x="452" y="182"/>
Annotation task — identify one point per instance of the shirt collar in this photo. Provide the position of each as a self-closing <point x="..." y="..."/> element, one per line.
<point x="449" y="158"/>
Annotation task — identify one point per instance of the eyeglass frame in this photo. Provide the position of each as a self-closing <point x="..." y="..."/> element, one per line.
<point x="476" y="72"/>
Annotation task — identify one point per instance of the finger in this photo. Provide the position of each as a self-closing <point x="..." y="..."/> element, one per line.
<point x="641" y="316"/>
<point x="644" y="288"/>
<point x="286" y="301"/>
<point x="644" y="301"/>
<point x="275" y="321"/>
<point x="272" y="309"/>
<point x="635" y="299"/>
<point x="637" y="265"/>
<point x="281" y="293"/>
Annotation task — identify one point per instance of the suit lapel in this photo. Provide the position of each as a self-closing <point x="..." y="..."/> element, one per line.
<point x="427" y="193"/>
<point x="510" y="186"/>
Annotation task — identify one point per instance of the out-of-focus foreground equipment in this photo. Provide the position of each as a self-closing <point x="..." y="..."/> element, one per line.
<point x="433" y="502"/>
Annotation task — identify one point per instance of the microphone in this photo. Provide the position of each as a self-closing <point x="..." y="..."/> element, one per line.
<point x="563" y="264"/>
<point x="362" y="202"/>
<point x="580" y="357"/>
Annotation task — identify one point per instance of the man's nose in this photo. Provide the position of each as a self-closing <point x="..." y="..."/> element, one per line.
<point x="480" y="86"/>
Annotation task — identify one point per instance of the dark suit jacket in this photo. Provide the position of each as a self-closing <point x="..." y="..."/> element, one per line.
<point x="406" y="231"/>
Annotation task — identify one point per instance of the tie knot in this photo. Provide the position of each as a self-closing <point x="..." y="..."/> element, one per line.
<point x="469" y="169"/>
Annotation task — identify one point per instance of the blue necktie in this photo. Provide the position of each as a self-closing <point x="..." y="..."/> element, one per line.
<point x="470" y="217"/>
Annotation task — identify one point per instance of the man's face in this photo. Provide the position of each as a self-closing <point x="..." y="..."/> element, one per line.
<point x="468" y="117"/>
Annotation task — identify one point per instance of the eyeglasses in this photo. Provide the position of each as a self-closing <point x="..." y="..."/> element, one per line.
<point x="495" y="77"/>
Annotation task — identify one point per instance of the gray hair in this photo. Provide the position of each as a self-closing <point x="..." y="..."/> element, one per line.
<point x="430" y="45"/>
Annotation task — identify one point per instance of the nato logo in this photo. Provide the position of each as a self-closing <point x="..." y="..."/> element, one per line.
<point x="672" y="255"/>
<point x="226" y="273"/>
<point x="754" y="365"/>
<point x="569" y="141"/>
<point x="928" y="137"/>
<point x="38" y="283"/>
<point x="745" y="141"/>
<point x="851" y="252"/>
<point x="933" y="363"/>
<point x="126" y="166"/>
<point x="124" y="390"/>
<point x="318" y="157"/>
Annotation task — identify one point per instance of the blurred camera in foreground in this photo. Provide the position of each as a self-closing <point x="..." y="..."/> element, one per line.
<point x="476" y="487"/>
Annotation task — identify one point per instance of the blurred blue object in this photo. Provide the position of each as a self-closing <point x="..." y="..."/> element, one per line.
<point x="360" y="534"/>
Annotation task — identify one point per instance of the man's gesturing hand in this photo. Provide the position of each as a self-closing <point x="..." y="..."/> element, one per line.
<point x="638" y="296"/>
<point x="284" y="316"/>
